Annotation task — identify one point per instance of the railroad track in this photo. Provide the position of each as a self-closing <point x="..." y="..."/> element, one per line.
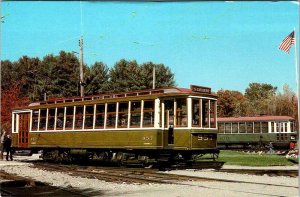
<point x="138" y="175"/>
<point x="146" y="176"/>
<point x="13" y="185"/>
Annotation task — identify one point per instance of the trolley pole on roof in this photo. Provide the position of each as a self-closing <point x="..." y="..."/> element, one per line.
<point x="81" y="67"/>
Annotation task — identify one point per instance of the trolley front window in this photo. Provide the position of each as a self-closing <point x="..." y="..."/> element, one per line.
<point x="196" y="112"/>
<point x="205" y="113"/>
<point x="181" y="113"/>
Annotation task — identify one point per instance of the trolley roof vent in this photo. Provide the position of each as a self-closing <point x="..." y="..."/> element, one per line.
<point x="168" y="91"/>
<point x="35" y="104"/>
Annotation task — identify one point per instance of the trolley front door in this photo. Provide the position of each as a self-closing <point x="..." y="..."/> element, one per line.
<point x="23" y="128"/>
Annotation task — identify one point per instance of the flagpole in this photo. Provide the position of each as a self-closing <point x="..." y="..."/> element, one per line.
<point x="297" y="78"/>
<point x="298" y="87"/>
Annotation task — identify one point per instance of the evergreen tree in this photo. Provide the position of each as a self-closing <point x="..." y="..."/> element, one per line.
<point x="124" y="76"/>
<point x="97" y="80"/>
<point x="163" y="76"/>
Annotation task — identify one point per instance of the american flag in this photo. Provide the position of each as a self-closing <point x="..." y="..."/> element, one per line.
<point x="286" y="44"/>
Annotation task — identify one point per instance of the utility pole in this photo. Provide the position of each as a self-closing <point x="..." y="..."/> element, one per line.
<point x="81" y="67"/>
<point x="153" y="83"/>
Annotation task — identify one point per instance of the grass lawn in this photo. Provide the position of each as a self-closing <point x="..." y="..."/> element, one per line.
<point x="253" y="159"/>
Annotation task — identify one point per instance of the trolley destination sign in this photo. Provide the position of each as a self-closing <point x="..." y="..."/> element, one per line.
<point x="200" y="89"/>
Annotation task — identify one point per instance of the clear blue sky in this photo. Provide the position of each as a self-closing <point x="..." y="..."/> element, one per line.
<point x="223" y="45"/>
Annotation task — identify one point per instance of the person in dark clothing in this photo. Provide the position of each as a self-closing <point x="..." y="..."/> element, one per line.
<point x="7" y="147"/>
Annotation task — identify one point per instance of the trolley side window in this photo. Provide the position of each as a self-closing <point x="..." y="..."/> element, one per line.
<point x="213" y="117"/>
<point x="278" y="127"/>
<point x="135" y="114"/>
<point x="221" y="127"/>
<point x="227" y="127"/>
<point x="148" y="120"/>
<point x="100" y="113"/>
<point x="249" y="127"/>
<point x="123" y="115"/>
<point x="60" y="118"/>
<point x="235" y="127"/>
<point x="292" y="123"/>
<point x="78" y="117"/>
<point x="51" y="119"/>
<point x="242" y="127"/>
<point x="69" y="117"/>
<point x="14" y="128"/>
<point x="111" y="115"/>
<point x="89" y="116"/>
<point x="42" y="122"/>
<point x="256" y="127"/>
<point x="264" y="127"/>
<point x="35" y="119"/>
<point x="272" y="127"/>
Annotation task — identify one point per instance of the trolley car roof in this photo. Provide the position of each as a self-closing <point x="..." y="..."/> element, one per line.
<point x="255" y="118"/>
<point x="152" y="93"/>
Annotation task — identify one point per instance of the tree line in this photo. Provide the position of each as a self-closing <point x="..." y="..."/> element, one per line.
<point x="31" y="79"/>
<point x="258" y="99"/>
<point x="58" y="76"/>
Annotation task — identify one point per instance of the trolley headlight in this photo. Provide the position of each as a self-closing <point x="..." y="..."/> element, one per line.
<point x="293" y="137"/>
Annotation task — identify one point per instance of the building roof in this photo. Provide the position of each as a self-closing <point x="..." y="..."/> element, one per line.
<point x="254" y="118"/>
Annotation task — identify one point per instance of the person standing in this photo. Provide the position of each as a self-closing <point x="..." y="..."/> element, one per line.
<point x="2" y="137"/>
<point x="7" y="147"/>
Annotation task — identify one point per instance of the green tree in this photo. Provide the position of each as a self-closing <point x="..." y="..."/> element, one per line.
<point x="259" y="96"/>
<point x="259" y="91"/>
<point x="163" y="76"/>
<point x="8" y="74"/>
<point x="97" y="80"/>
<point x="128" y="75"/>
<point x="124" y="76"/>
<point x="27" y="69"/>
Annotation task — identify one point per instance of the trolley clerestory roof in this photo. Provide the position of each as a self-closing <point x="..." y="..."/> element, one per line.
<point x="255" y="118"/>
<point x="160" y="92"/>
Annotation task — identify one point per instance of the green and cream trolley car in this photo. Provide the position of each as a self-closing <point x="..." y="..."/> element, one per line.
<point x="256" y="130"/>
<point x="139" y="126"/>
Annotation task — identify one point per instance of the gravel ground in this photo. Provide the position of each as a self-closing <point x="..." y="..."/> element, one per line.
<point x="204" y="188"/>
